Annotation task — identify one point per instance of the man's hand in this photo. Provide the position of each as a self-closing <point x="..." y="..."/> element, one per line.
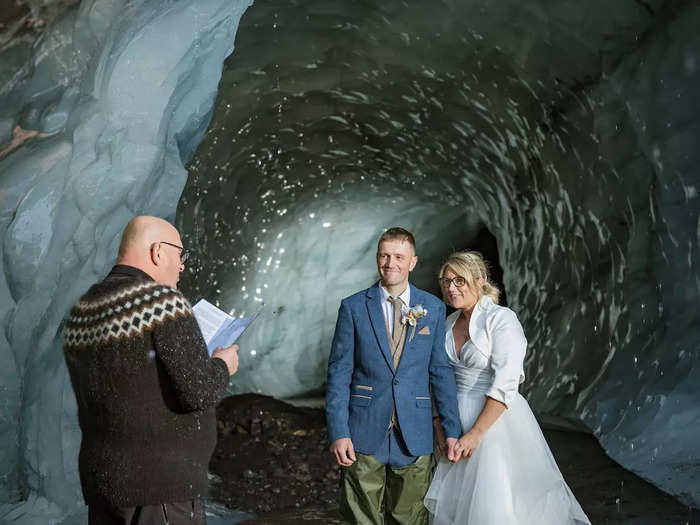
<point x="343" y="451"/>
<point x="452" y="450"/>
<point x="439" y="433"/>
<point x="228" y="355"/>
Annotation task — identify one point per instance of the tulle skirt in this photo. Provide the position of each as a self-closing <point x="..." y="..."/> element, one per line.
<point x="510" y="479"/>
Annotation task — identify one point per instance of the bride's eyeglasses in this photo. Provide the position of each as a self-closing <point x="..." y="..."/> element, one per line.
<point x="458" y="282"/>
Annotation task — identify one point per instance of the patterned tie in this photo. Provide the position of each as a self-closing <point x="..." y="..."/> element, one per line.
<point x="398" y="327"/>
<point x="396" y="342"/>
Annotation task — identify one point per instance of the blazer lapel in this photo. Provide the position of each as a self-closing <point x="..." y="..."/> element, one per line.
<point x="376" y="317"/>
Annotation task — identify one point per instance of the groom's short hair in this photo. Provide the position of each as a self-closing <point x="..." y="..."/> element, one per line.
<point x="397" y="234"/>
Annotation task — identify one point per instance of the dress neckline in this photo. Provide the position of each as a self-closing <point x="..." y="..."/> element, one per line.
<point x="452" y="339"/>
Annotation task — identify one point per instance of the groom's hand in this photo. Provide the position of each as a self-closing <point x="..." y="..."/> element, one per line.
<point x="439" y="433"/>
<point x="452" y="454"/>
<point x="343" y="451"/>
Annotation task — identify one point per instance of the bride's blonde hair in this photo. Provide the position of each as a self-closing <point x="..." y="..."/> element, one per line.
<point x="472" y="266"/>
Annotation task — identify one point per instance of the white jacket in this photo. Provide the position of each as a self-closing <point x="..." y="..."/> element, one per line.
<point x="499" y="337"/>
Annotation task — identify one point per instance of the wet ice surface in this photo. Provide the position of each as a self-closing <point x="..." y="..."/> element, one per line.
<point x="608" y="493"/>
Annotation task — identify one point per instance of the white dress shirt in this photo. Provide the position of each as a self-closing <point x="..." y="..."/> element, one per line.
<point x="388" y="308"/>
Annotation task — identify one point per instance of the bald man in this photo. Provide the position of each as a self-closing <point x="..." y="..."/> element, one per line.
<point x="145" y="385"/>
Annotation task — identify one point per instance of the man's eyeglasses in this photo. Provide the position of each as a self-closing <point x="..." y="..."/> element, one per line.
<point x="458" y="281"/>
<point x="184" y="254"/>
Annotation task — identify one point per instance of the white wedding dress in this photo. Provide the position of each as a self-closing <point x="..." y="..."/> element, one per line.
<point x="511" y="478"/>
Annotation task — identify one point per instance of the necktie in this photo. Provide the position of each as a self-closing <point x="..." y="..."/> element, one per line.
<point x="397" y="339"/>
<point x="397" y="326"/>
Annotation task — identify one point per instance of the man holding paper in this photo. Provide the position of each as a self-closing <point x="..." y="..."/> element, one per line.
<point x="219" y="328"/>
<point x="145" y="385"/>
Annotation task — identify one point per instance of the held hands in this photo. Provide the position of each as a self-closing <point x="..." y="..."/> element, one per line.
<point x="228" y="355"/>
<point x="452" y="453"/>
<point x="446" y="447"/>
<point x="344" y="452"/>
<point x="467" y="444"/>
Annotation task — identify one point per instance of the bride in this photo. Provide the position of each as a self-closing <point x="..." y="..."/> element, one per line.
<point x="507" y="474"/>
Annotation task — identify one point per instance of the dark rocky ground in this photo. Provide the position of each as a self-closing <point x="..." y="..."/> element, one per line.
<point x="272" y="456"/>
<point x="272" y="461"/>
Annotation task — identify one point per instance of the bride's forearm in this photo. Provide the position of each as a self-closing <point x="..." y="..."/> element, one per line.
<point x="489" y="414"/>
<point x="468" y="443"/>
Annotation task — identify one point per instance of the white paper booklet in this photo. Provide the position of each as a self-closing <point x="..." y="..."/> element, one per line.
<point x="219" y="328"/>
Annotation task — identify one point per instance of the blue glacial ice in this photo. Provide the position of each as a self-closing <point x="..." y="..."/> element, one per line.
<point x="116" y="121"/>
<point x="568" y="133"/>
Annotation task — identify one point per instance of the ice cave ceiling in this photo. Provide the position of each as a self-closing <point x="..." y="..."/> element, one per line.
<point x="557" y="136"/>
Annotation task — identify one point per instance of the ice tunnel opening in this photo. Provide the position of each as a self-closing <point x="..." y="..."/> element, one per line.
<point x="309" y="158"/>
<point x="295" y="267"/>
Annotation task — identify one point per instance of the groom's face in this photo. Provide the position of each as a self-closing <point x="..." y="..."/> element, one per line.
<point x="395" y="259"/>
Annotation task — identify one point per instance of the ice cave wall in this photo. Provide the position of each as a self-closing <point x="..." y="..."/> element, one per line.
<point x="120" y="94"/>
<point x="567" y="132"/>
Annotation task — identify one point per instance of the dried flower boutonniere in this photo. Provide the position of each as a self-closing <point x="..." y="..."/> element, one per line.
<point x="411" y="316"/>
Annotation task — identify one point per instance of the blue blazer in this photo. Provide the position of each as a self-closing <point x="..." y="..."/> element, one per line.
<point x="363" y="384"/>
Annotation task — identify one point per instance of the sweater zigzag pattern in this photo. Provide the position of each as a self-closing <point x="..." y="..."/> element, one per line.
<point x="146" y="391"/>
<point x="127" y="313"/>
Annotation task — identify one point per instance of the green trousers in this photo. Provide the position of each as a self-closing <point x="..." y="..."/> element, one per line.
<point x="372" y="493"/>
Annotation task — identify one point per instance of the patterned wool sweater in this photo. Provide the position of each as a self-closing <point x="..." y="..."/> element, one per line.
<point x="146" y="391"/>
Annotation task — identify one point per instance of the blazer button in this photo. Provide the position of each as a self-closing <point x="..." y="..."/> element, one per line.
<point x="396" y="381"/>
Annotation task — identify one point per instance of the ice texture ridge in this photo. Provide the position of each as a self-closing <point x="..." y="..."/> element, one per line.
<point x="120" y="93"/>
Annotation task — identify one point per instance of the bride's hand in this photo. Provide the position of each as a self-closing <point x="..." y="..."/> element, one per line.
<point x="440" y="443"/>
<point x="468" y="442"/>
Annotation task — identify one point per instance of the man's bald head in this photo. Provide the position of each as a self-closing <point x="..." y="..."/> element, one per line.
<point x="151" y="244"/>
<point x="142" y="231"/>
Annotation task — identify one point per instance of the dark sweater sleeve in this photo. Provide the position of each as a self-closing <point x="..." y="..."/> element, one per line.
<point x="199" y="381"/>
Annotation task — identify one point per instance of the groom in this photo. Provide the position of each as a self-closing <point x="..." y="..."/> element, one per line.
<point x="387" y="360"/>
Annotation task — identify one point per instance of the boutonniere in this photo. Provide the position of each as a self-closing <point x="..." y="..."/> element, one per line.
<point x="411" y="316"/>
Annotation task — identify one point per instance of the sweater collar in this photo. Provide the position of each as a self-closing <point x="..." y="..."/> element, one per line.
<point x="124" y="270"/>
